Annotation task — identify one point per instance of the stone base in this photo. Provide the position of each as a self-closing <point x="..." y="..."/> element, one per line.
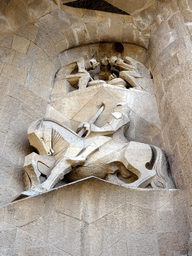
<point x="93" y="217"/>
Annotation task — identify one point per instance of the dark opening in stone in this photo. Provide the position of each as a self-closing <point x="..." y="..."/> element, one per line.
<point x="118" y="47"/>
<point x="100" y="5"/>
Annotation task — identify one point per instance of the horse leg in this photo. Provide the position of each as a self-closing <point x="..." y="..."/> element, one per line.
<point x="88" y="150"/>
<point x="35" y="165"/>
<point x="57" y="174"/>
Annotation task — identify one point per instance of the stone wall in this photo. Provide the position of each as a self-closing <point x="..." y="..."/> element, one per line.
<point x="32" y="36"/>
<point x="170" y="63"/>
<point x="31" y="40"/>
<point x="93" y="217"/>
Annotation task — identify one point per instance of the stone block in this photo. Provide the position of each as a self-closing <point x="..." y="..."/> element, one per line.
<point x="12" y="106"/>
<point x="172" y="48"/>
<point x="169" y="67"/>
<point x="27" y="114"/>
<point x="174" y="6"/>
<point x="65" y="221"/>
<point x="158" y="87"/>
<point x="163" y="29"/>
<point x="38" y="251"/>
<point x="52" y="27"/>
<point x="62" y="45"/>
<point x="143" y="244"/>
<point x="145" y="18"/>
<point x="183" y="242"/>
<point x="184" y="144"/>
<point x="183" y="5"/>
<point x="21" y="61"/>
<point x="42" y="69"/>
<point x="20" y="44"/>
<point x="38" y="88"/>
<point x="12" y="87"/>
<point x="4" y="85"/>
<point x="174" y="131"/>
<point x="143" y="40"/>
<point x="128" y="33"/>
<point x="164" y="14"/>
<point x="180" y="211"/>
<point x="6" y="42"/>
<point x="187" y="175"/>
<point x="69" y="34"/>
<point x="168" y="241"/>
<point x="45" y="42"/>
<point x="103" y="28"/>
<point x="63" y="19"/>
<point x="167" y="221"/>
<point x="165" y="111"/>
<point x="176" y="22"/>
<point x="1" y="67"/>
<point x="189" y="4"/>
<point x="7" y="238"/>
<point x="6" y="55"/>
<point x="187" y="15"/>
<point x="81" y="34"/>
<point x="18" y="16"/>
<point x="35" y="53"/>
<point x="177" y="82"/>
<point x="76" y="12"/>
<point x="92" y="29"/>
<point x="16" y="146"/>
<point x="28" y="31"/>
<point x="14" y="73"/>
<point x="41" y="7"/>
<point x="118" y="248"/>
<point x="157" y="140"/>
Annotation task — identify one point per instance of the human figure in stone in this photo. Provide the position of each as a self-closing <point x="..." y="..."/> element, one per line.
<point x="132" y="71"/>
<point x="77" y="154"/>
<point x="78" y="73"/>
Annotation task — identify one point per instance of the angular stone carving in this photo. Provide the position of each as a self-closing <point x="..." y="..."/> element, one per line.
<point x="87" y="137"/>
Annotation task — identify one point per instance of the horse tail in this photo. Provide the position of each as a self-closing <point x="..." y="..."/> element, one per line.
<point x="161" y="179"/>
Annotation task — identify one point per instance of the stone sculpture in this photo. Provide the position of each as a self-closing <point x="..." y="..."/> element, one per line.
<point x="98" y="145"/>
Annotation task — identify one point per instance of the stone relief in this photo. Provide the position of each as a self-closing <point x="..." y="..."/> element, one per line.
<point x="84" y="132"/>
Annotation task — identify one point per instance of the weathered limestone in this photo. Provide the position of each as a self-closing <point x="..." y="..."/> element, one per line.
<point x="98" y="145"/>
<point x="94" y="217"/>
<point x="170" y="61"/>
<point x="37" y="38"/>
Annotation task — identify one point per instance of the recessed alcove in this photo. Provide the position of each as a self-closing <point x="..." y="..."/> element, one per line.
<point x="36" y="39"/>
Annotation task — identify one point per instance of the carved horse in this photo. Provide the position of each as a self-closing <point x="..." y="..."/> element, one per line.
<point x="131" y="164"/>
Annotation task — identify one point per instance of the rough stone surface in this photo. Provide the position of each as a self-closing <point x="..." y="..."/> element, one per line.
<point x="94" y="217"/>
<point x="33" y="35"/>
<point x="88" y="93"/>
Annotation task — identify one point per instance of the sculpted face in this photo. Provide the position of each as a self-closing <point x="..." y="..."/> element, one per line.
<point x="94" y="63"/>
<point x="113" y="60"/>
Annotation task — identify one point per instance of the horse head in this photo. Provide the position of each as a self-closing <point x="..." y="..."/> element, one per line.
<point x="40" y="137"/>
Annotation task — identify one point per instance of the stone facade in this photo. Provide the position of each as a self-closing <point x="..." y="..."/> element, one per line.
<point x="37" y="38"/>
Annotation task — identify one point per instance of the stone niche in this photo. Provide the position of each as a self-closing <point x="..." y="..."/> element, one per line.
<point x="93" y="216"/>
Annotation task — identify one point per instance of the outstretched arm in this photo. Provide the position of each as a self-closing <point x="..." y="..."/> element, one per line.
<point x="117" y="119"/>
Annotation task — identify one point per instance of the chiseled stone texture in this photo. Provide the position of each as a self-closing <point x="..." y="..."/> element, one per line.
<point x="26" y="77"/>
<point x="32" y="36"/>
<point x="94" y="217"/>
<point x="170" y="59"/>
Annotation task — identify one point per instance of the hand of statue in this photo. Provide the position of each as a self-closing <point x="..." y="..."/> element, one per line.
<point x="85" y="127"/>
